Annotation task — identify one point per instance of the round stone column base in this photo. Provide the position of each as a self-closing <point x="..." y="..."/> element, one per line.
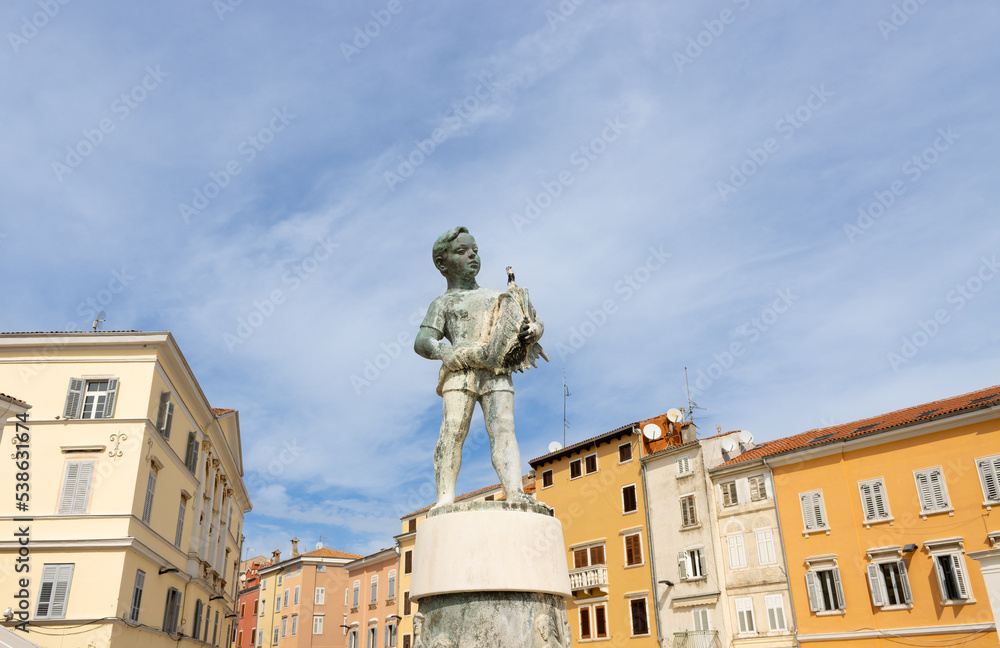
<point x="491" y="620"/>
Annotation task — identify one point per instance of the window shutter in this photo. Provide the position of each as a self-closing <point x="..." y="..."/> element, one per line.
<point x="179" y="534"/>
<point x="60" y="591"/>
<point x="109" y="403"/>
<point x="879" y="500"/>
<point x="168" y="421"/>
<point x="875" y="585"/>
<point x="73" y="397"/>
<point x="868" y="501"/>
<point x="817" y="501"/>
<point x="69" y="488"/>
<point x="701" y="562"/>
<point x="597" y="555"/>
<point x="988" y="470"/>
<point x="808" y="511"/>
<point x="939" y="571"/>
<point x="45" y="591"/>
<point x="959" y="569"/>
<point x="682" y="565"/>
<point x="904" y="581"/>
<point x="147" y="509"/>
<point x="140" y="580"/>
<point x="937" y="488"/>
<point x="161" y="412"/>
<point x="840" y="589"/>
<point x="924" y="491"/>
<point x="812" y="587"/>
<point x="82" y="487"/>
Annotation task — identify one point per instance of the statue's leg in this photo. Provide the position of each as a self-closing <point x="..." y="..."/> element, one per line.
<point x="458" y="407"/>
<point x="498" y="410"/>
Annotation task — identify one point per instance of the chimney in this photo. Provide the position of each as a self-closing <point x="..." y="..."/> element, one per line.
<point x="295" y="547"/>
<point x="275" y="556"/>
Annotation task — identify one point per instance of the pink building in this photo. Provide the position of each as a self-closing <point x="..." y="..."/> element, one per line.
<point x="370" y="601"/>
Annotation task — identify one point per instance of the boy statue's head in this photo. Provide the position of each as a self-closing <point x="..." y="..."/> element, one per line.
<point x="456" y="254"/>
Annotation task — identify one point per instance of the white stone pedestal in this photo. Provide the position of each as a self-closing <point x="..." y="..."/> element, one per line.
<point x="490" y="574"/>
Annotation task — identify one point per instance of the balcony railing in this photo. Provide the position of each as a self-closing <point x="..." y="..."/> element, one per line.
<point x="588" y="577"/>
<point x="697" y="639"/>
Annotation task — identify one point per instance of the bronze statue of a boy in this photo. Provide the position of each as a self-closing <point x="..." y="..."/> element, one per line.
<point x="478" y="362"/>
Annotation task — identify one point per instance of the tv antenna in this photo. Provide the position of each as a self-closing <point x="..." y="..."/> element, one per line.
<point x="98" y="321"/>
<point x="692" y="406"/>
<point x="565" y="394"/>
<point x="319" y="545"/>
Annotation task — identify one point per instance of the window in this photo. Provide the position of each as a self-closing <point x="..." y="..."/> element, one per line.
<point x="258" y="635"/>
<point x="640" y="623"/>
<point x="374" y="593"/>
<point x="489" y="498"/>
<point x="889" y="584"/>
<point x="191" y="454"/>
<point x="737" y="554"/>
<point x="546" y="478"/>
<point x="295" y="624"/>
<point x="411" y="525"/>
<point x="406" y="603"/>
<point x="172" y="614"/>
<point x="147" y="508"/>
<point x="277" y="603"/>
<point x="90" y="399"/>
<point x="825" y="591"/>
<point x="318" y="625"/>
<point x="406" y="640"/>
<point x="758" y="488"/>
<point x="590" y="464"/>
<point x="931" y="490"/>
<point x="689" y="515"/>
<point x="239" y="638"/>
<point x="587" y="556"/>
<point x="280" y="576"/>
<point x="284" y="625"/>
<point x="629" y="503"/>
<point x="199" y="608"/>
<point x="765" y="547"/>
<point x="633" y="549"/>
<point x="989" y="475"/>
<point x="813" y="510"/>
<point x="274" y="641"/>
<point x="76" y="487"/>
<point x="593" y="621"/>
<point x="215" y="628"/>
<point x="256" y="608"/>
<point x="391" y="586"/>
<point x="357" y="594"/>
<point x="624" y="452"/>
<point x="701" y="624"/>
<point x="729" y="497"/>
<point x="54" y="591"/>
<point x="319" y="568"/>
<point x="874" y="503"/>
<point x="775" y="605"/>
<point x="408" y="561"/>
<point x="295" y="595"/>
<point x="744" y="616"/>
<point x="179" y="533"/>
<point x="575" y="468"/>
<point x="691" y="564"/>
<point x="952" y="579"/>
<point x="140" y="580"/>
<point x="165" y="415"/>
<point x="683" y="466"/>
<point x="372" y="637"/>
<point x="320" y="596"/>
<point x="390" y="635"/>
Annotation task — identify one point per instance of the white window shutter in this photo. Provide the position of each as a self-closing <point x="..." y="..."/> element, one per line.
<point x="701" y="562"/>
<point x="45" y="591"/>
<point x="168" y="421"/>
<point x="989" y="470"/>
<point x="812" y="588"/>
<point x="161" y="413"/>
<point x="147" y="509"/>
<point x="682" y="564"/>
<point x="69" y="487"/>
<point x="73" y="397"/>
<point x="939" y="571"/>
<point x="867" y="501"/>
<point x="840" y="590"/>
<point x="879" y="500"/>
<point x="875" y="585"/>
<point x="809" y="511"/>
<point x="957" y="564"/>
<point x="83" y="487"/>
<point x="109" y="403"/>
<point x="818" y="509"/>
<point x="937" y="488"/>
<point x="904" y="582"/>
<point x="924" y="491"/>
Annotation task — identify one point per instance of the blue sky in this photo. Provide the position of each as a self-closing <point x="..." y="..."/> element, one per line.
<point x="792" y="200"/>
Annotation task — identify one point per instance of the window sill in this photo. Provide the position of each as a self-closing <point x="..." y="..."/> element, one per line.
<point x="891" y="608"/>
<point x="694" y="579"/>
<point x="949" y="510"/>
<point x="595" y="639"/>
<point x="642" y="564"/>
<point x="868" y="523"/>
<point x="831" y="613"/>
<point x="691" y="527"/>
<point x="640" y="635"/>
<point x="806" y="532"/>
<point x="687" y="474"/>
<point x="630" y="512"/>
<point x="968" y="601"/>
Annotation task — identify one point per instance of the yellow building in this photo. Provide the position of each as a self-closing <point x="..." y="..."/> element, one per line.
<point x="130" y="530"/>
<point x="596" y="489"/>
<point x="299" y="599"/>
<point x="878" y="517"/>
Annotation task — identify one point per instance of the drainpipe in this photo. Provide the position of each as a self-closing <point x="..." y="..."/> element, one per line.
<point x="652" y="559"/>
<point x="784" y="555"/>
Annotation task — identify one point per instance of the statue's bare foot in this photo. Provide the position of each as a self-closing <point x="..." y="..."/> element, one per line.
<point x="519" y="497"/>
<point x="444" y="501"/>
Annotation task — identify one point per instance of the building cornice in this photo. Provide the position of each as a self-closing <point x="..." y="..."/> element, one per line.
<point x="966" y="628"/>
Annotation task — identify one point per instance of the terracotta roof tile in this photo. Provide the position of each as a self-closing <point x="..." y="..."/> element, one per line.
<point x="581" y="444"/>
<point x="219" y="411"/>
<point x="988" y="397"/>
<point x="326" y="552"/>
<point x="11" y="398"/>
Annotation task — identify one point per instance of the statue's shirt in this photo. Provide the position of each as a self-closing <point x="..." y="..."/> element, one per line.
<point x="460" y="315"/>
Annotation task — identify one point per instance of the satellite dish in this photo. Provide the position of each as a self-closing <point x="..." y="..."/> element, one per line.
<point x="555" y="446"/>
<point x="243" y="577"/>
<point x="745" y="437"/>
<point x="729" y="445"/>
<point x="652" y="431"/>
<point x="319" y="545"/>
<point x="674" y="415"/>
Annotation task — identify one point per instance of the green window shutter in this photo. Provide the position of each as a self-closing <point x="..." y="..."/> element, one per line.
<point x="74" y="395"/>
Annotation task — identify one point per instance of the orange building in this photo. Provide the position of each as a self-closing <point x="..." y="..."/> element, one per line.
<point x="370" y="600"/>
<point x="878" y="517"/>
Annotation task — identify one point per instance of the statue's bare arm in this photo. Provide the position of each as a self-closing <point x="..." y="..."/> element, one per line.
<point x="428" y="344"/>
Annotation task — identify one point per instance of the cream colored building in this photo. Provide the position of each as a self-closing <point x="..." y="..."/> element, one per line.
<point x="132" y="531"/>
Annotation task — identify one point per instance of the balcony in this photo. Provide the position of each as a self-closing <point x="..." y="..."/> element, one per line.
<point x="697" y="639"/>
<point x="585" y="578"/>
